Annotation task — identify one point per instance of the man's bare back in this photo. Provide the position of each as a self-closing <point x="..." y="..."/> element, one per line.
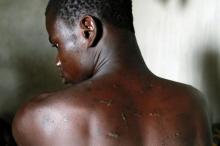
<point x="115" y="99"/>
<point x="158" y="113"/>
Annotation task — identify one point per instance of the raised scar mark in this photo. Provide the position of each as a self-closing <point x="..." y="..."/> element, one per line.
<point x="113" y="135"/>
<point x="123" y="116"/>
<point x="107" y="102"/>
<point x="154" y="114"/>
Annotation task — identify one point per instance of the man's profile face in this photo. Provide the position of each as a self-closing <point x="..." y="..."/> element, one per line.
<point x="72" y="52"/>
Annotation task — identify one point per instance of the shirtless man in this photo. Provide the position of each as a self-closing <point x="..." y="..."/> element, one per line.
<point x="114" y="99"/>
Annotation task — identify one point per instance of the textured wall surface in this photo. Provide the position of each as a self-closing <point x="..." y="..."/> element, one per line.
<point x="178" y="39"/>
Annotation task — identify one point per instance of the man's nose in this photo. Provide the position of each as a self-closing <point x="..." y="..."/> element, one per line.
<point x="58" y="62"/>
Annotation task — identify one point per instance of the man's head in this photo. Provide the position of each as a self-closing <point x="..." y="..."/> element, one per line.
<point x="75" y="28"/>
<point x="116" y="12"/>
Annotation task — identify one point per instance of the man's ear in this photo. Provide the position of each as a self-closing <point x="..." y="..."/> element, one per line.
<point x="89" y="28"/>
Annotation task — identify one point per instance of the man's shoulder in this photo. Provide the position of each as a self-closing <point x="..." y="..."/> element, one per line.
<point x="51" y="110"/>
<point x="179" y="90"/>
<point x="63" y="100"/>
<point x="73" y="97"/>
<point x="180" y="96"/>
<point x="186" y="103"/>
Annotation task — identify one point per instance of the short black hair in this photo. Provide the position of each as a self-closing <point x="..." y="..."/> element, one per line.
<point x="116" y="12"/>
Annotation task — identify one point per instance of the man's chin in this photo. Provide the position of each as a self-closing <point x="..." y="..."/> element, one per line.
<point x="68" y="82"/>
<point x="72" y="81"/>
<point x="65" y="81"/>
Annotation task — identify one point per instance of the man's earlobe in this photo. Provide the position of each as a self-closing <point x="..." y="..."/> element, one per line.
<point x="89" y="30"/>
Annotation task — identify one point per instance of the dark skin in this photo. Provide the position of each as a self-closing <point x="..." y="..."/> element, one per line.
<point x="115" y="99"/>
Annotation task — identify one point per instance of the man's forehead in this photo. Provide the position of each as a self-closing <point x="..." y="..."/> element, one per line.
<point x="59" y="29"/>
<point x="55" y="22"/>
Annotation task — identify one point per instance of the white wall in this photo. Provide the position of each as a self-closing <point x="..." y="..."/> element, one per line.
<point x="181" y="41"/>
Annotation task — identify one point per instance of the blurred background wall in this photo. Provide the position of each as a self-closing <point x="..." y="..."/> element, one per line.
<point x="27" y="64"/>
<point x="178" y="39"/>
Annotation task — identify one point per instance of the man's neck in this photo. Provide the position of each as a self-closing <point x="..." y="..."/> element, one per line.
<point x="118" y="55"/>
